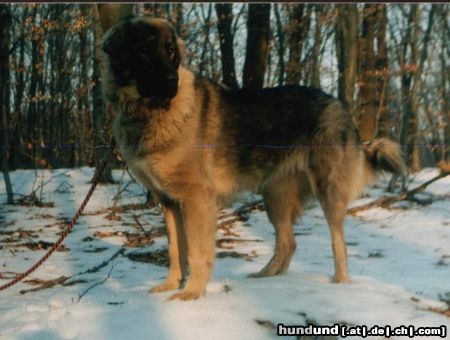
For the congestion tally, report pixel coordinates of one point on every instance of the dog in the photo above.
(195, 144)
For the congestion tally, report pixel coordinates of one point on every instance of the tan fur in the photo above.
(182, 154)
(168, 161)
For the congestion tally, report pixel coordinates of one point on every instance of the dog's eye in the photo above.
(170, 51)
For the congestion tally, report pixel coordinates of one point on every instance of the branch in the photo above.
(98, 283)
(68, 281)
(406, 196)
(240, 214)
(97, 268)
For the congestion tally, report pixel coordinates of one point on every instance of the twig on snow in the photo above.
(80, 296)
(97, 268)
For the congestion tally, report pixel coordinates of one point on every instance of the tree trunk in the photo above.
(411, 84)
(410, 77)
(281, 44)
(109, 14)
(374, 74)
(32, 133)
(297, 29)
(83, 102)
(407, 84)
(347, 53)
(315, 74)
(445, 84)
(368, 94)
(5, 21)
(258, 26)
(225, 20)
(16, 156)
(178, 18)
(384, 74)
(206, 18)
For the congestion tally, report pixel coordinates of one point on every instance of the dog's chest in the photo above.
(132, 138)
(147, 174)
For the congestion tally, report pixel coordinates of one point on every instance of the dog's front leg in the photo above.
(177, 248)
(199, 220)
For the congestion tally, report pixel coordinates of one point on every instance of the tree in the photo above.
(258, 29)
(384, 74)
(206, 18)
(83, 87)
(372, 71)
(347, 53)
(5, 21)
(315, 65)
(56, 116)
(16, 126)
(444, 56)
(281, 37)
(297, 29)
(411, 82)
(224, 23)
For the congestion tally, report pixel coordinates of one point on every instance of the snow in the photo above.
(399, 262)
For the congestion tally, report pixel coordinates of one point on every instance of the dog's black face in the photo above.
(144, 51)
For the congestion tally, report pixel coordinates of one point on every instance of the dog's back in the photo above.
(292, 143)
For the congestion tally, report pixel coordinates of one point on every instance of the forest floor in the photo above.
(95, 286)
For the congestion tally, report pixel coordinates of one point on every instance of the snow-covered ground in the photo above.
(399, 264)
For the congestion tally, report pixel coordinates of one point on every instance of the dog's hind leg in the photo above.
(177, 249)
(283, 205)
(334, 197)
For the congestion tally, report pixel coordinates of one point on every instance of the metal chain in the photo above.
(69, 227)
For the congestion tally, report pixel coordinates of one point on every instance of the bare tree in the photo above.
(206, 18)
(372, 70)
(315, 64)
(384, 74)
(281, 38)
(347, 53)
(411, 82)
(16, 126)
(299, 20)
(258, 26)
(56, 115)
(5, 21)
(224, 23)
(81, 153)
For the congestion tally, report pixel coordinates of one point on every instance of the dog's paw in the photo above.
(164, 287)
(269, 270)
(340, 279)
(184, 296)
(257, 275)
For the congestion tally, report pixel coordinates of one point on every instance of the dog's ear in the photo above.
(115, 39)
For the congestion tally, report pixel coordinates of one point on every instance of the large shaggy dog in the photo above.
(195, 144)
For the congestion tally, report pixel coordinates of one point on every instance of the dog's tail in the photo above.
(384, 155)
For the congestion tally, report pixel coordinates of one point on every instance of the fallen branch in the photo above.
(97, 268)
(239, 215)
(80, 296)
(385, 202)
(69, 280)
(44, 284)
(124, 208)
